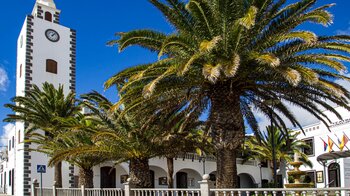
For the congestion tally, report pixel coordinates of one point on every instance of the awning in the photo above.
(333, 156)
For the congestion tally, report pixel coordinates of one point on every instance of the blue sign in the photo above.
(41, 168)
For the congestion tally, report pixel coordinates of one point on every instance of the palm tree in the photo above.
(72, 147)
(180, 136)
(226, 58)
(285, 148)
(42, 108)
(123, 138)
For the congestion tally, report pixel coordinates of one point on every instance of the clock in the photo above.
(52, 35)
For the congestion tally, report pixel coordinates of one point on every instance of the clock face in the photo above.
(52, 35)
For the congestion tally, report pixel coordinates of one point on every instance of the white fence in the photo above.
(76, 192)
(204, 190)
(166, 192)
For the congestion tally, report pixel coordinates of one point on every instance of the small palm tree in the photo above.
(77, 147)
(122, 138)
(41, 109)
(285, 148)
(180, 136)
(226, 58)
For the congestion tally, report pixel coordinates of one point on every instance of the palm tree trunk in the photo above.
(58, 174)
(86, 177)
(139, 173)
(226, 173)
(227, 127)
(170, 164)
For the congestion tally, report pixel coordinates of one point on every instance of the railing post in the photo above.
(127, 188)
(54, 191)
(82, 190)
(35, 184)
(204, 185)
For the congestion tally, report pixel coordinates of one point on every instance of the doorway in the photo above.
(334, 175)
(181, 180)
(108, 177)
(151, 172)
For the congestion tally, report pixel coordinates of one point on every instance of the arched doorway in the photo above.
(245, 181)
(181, 180)
(108, 177)
(334, 175)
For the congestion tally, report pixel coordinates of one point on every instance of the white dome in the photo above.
(48, 3)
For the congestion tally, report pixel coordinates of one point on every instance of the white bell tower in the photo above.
(46, 53)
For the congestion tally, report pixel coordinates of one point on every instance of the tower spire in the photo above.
(49, 3)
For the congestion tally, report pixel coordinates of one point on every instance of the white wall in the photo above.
(318, 132)
(44, 49)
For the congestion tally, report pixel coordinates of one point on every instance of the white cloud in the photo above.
(343, 31)
(303, 116)
(4, 80)
(6, 131)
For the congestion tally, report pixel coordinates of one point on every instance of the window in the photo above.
(21, 41)
(48, 16)
(51, 66)
(310, 177)
(9, 145)
(13, 141)
(309, 150)
(10, 177)
(264, 163)
(20, 71)
(19, 137)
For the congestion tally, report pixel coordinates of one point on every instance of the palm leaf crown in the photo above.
(251, 48)
(42, 107)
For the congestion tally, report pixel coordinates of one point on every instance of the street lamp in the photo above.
(272, 103)
(203, 160)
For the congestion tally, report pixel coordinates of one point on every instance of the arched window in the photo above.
(51, 66)
(48, 16)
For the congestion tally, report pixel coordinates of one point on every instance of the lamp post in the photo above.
(272, 103)
(203, 160)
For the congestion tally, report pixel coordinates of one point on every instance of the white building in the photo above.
(336, 172)
(47, 53)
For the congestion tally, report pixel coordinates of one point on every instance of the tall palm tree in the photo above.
(41, 108)
(285, 148)
(226, 58)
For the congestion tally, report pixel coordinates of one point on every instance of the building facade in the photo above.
(328, 143)
(47, 53)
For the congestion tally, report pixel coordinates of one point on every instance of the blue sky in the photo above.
(96, 22)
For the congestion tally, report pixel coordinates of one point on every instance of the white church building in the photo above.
(47, 53)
